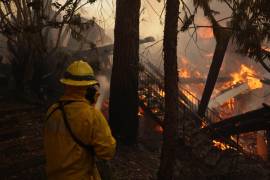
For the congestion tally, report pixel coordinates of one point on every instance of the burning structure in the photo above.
(211, 150)
(241, 87)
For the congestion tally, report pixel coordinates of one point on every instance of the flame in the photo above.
(228, 108)
(155, 110)
(191, 91)
(184, 73)
(231, 104)
(247, 75)
(204, 124)
(220, 145)
(190, 95)
(161, 93)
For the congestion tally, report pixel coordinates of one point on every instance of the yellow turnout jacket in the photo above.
(66, 160)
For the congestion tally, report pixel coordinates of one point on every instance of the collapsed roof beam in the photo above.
(248, 122)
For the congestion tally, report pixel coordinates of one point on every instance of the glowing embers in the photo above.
(140, 112)
(158, 129)
(184, 73)
(203, 124)
(220, 145)
(227, 109)
(152, 98)
(161, 92)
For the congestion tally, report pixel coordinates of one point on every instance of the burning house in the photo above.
(240, 88)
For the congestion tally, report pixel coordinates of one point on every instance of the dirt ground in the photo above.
(22, 155)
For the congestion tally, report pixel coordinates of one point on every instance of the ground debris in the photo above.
(135, 163)
(22, 154)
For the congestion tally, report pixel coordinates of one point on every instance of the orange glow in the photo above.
(158, 129)
(197, 74)
(231, 104)
(184, 73)
(140, 112)
(205, 33)
(266, 48)
(209, 55)
(190, 95)
(161, 93)
(247, 75)
(220, 145)
(184, 61)
(227, 109)
(203, 125)
(187, 71)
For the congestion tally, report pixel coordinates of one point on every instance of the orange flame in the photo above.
(220, 145)
(247, 75)
(184, 73)
(161, 93)
(228, 108)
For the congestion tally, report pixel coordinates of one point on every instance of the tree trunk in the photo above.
(268, 144)
(171, 91)
(222, 38)
(124, 80)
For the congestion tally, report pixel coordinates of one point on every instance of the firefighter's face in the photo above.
(97, 92)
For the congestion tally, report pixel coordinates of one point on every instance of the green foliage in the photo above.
(251, 27)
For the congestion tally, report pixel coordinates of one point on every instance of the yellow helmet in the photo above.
(79, 73)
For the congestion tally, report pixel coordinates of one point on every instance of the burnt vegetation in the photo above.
(27, 27)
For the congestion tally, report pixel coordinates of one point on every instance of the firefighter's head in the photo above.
(79, 73)
(80, 77)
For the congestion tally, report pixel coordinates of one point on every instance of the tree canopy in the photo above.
(248, 23)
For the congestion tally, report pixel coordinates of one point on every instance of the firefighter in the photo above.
(75, 132)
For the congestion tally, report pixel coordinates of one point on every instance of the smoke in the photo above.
(104, 90)
(197, 47)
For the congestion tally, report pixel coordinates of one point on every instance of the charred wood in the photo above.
(251, 121)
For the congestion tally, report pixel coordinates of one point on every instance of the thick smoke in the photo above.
(197, 48)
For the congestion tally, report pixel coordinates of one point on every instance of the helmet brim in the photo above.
(78, 83)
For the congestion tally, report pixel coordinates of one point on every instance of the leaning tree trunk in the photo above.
(124, 80)
(222, 38)
(171, 91)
